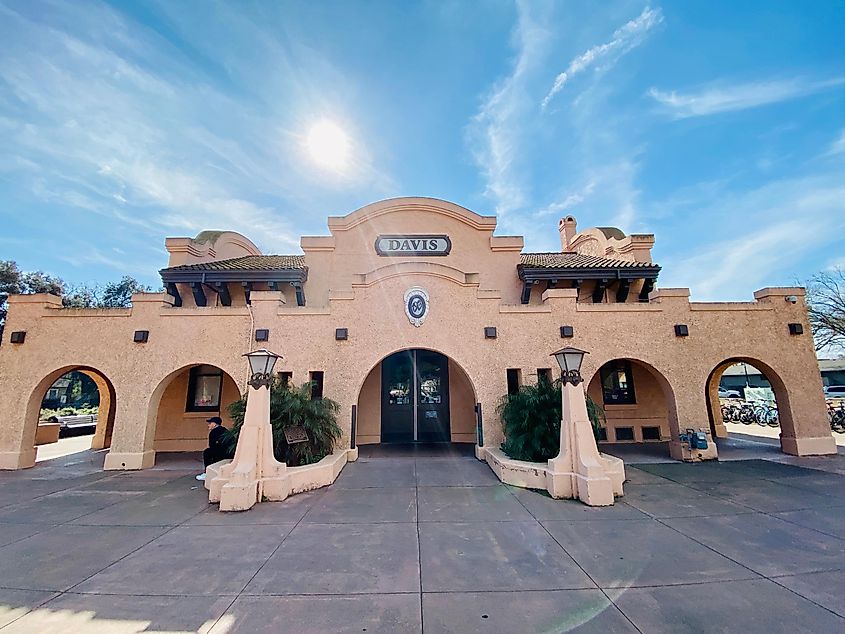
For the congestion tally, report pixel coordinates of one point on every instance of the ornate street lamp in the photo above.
(579, 470)
(569, 359)
(261, 363)
(254, 474)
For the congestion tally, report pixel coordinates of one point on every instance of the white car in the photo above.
(834, 391)
(725, 393)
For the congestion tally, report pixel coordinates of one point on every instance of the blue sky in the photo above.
(718, 126)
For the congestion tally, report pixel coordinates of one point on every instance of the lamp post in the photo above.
(578, 471)
(254, 474)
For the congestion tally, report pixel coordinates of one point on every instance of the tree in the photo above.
(112, 295)
(294, 407)
(531, 421)
(13, 280)
(119, 294)
(826, 308)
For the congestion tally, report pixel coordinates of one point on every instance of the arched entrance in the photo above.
(753, 402)
(100, 405)
(638, 402)
(416, 396)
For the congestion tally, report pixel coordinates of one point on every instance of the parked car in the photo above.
(726, 393)
(834, 391)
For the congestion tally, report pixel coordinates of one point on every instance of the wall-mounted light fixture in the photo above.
(490, 332)
(341, 334)
(18, 336)
(262, 334)
(796, 329)
(681, 330)
(141, 336)
(567, 332)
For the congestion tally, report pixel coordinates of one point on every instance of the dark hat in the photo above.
(214, 419)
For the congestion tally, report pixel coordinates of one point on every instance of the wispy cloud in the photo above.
(496, 131)
(716, 99)
(100, 115)
(765, 234)
(624, 39)
(838, 146)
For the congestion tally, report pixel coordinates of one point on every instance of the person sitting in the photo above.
(218, 447)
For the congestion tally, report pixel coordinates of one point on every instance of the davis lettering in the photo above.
(403, 245)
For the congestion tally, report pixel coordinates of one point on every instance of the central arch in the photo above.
(416, 395)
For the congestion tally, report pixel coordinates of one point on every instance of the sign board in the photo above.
(294, 435)
(395, 245)
(416, 305)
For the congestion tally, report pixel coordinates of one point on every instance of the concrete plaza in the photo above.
(411, 541)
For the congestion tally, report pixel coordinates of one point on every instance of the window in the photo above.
(651, 433)
(617, 383)
(316, 384)
(544, 374)
(286, 378)
(204, 387)
(624, 433)
(514, 380)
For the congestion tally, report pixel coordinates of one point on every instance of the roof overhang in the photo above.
(253, 275)
(537, 273)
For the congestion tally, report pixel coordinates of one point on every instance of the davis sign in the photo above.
(400, 245)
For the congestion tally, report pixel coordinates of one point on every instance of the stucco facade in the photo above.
(221, 290)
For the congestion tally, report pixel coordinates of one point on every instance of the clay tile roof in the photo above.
(248, 263)
(576, 261)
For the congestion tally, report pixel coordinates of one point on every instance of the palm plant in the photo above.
(531, 421)
(292, 406)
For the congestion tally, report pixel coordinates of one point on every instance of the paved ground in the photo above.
(412, 541)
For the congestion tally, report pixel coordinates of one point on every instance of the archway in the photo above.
(638, 402)
(416, 395)
(183, 401)
(89, 401)
(754, 402)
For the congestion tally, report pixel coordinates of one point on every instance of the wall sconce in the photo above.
(141, 336)
(796, 329)
(18, 336)
(490, 332)
(341, 334)
(681, 330)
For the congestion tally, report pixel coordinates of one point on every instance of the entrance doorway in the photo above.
(415, 397)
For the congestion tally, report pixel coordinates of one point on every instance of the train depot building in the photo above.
(416, 318)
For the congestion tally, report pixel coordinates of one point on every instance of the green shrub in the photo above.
(531, 421)
(294, 407)
(85, 410)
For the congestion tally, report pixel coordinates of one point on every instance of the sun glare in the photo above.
(328, 145)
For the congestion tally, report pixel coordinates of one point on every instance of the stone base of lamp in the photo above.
(579, 470)
(254, 475)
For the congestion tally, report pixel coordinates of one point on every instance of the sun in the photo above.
(328, 145)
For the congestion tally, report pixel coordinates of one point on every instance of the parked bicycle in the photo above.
(749, 413)
(836, 416)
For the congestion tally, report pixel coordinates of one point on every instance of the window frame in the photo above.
(195, 373)
(609, 371)
(514, 380)
(317, 379)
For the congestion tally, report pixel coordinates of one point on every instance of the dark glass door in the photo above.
(415, 397)
(432, 397)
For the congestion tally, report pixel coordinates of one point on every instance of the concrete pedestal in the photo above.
(254, 475)
(579, 471)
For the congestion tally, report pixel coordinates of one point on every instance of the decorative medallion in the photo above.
(416, 305)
